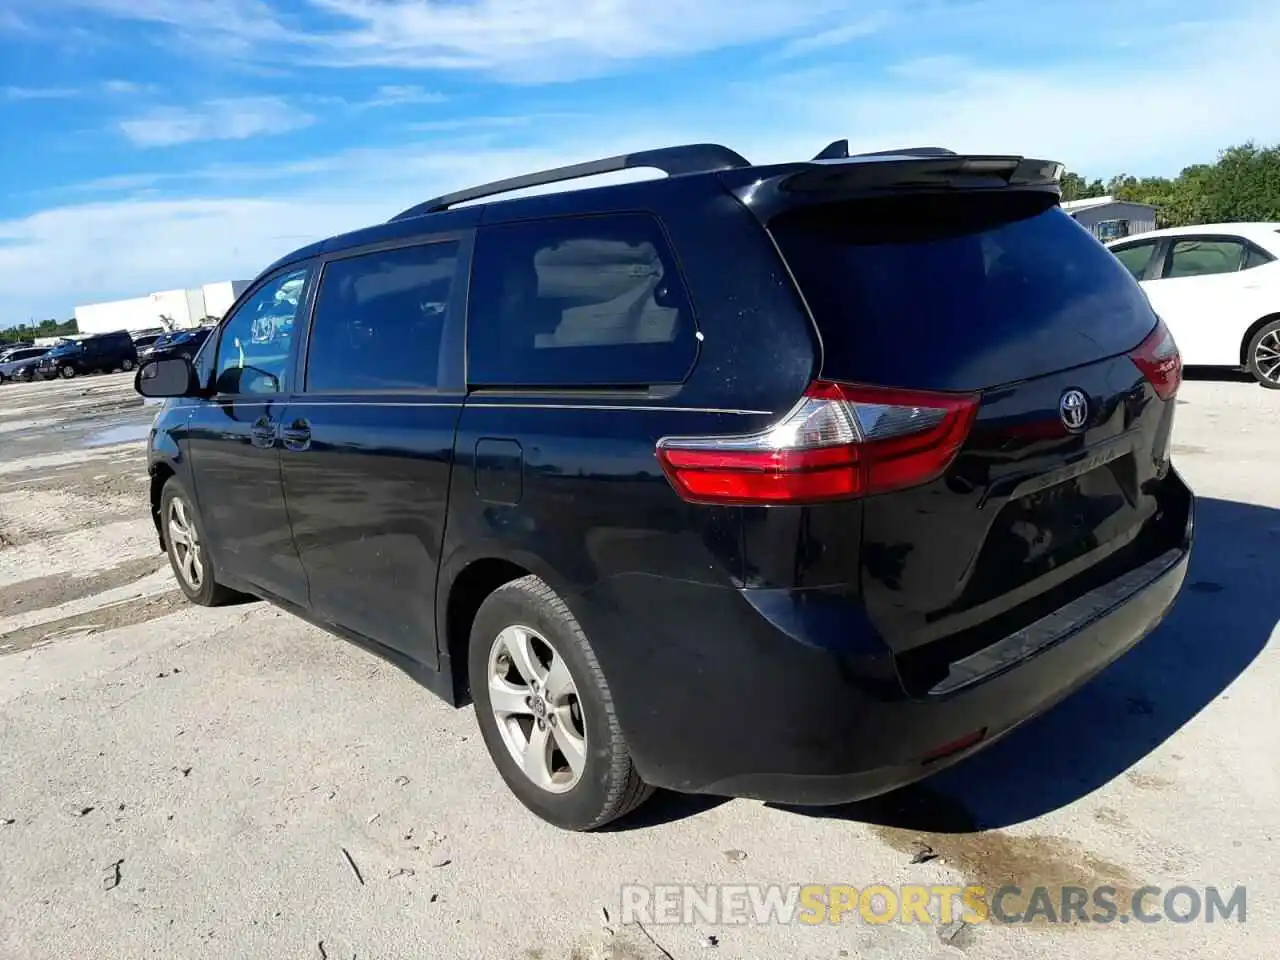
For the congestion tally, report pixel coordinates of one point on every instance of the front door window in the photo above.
(253, 348)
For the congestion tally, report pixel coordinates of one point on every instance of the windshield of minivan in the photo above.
(66, 346)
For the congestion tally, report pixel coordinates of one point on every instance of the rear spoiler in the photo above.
(768, 191)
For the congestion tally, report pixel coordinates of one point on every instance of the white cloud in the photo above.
(15, 94)
(397, 96)
(479, 123)
(122, 183)
(539, 40)
(836, 36)
(237, 118)
(126, 87)
(248, 20)
(523, 40)
(10, 22)
(86, 252)
(935, 69)
(1139, 114)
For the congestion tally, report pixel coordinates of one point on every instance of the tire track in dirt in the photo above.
(39, 593)
(123, 613)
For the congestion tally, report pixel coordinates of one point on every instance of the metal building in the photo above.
(1110, 219)
(167, 309)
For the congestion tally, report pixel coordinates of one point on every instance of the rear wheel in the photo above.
(545, 710)
(1264, 355)
(184, 541)
(126, 365)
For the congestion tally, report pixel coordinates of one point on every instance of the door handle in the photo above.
(297, 436)
(263, 433)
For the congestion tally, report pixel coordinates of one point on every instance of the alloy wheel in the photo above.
(1266, 357)
(186, 544)
(537, 708)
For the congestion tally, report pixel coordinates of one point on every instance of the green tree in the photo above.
(1243, 184)
(1076, 187)
(45, 328)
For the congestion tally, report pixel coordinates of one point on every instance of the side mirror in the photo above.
(171, 377)
(236, 381)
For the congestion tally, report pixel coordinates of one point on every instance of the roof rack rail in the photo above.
(839, 150)
(690, 158)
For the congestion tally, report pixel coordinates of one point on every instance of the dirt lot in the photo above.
(178, 782)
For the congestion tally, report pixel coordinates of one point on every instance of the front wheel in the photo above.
(1264, 355)
(545, 710)
(67, 372)
(188, 551)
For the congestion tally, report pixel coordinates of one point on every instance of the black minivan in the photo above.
(795, 482)
(96, 353)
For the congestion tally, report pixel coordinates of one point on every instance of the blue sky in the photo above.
(154, 144)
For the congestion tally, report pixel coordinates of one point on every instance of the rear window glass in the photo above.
(578, 302)
(1256, 257)
(958, 292)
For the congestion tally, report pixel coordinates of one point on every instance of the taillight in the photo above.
(839, 442)
(1158, 359)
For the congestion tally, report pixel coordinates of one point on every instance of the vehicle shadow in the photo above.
(1223, 374)
(1225, 616)
(665, 806)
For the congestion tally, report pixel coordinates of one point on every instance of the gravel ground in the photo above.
(178, 782)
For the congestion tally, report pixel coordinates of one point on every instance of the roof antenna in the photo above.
(836, 150)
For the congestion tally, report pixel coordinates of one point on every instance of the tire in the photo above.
(204, 589)
(1264, 355)
(67, 372)
(526, 614)
(126, 364)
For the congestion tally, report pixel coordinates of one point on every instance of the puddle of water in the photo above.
(124, 433)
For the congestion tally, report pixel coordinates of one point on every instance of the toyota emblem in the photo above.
(1074, 409)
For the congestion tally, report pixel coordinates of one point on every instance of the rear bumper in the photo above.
(718, 695)
(988, 707)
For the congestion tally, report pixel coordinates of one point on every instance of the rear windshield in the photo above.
(958, 292)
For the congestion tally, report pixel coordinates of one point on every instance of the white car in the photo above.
(1217, 287)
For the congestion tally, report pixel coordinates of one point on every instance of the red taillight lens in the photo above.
(1158, 359)
(840, 441)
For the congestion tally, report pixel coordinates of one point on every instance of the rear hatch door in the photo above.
(1063, 481)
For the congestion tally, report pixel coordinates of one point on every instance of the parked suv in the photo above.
(177, 343)
(795, 482)
(100, 353)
